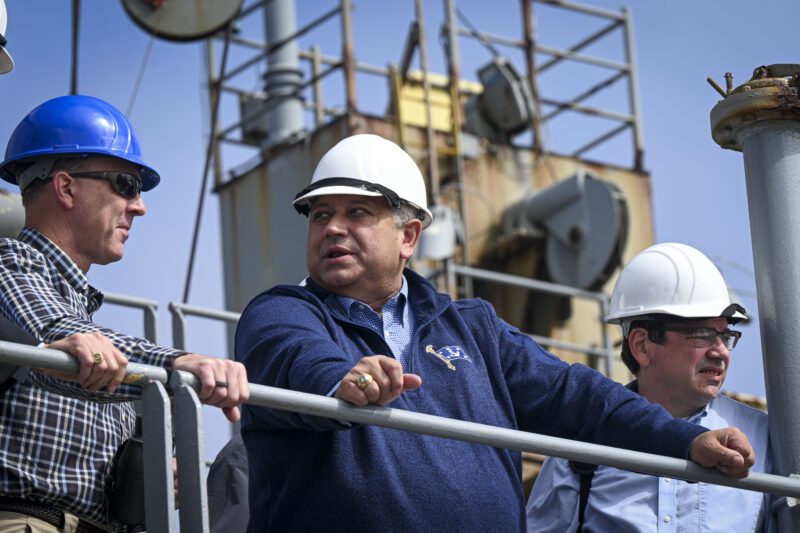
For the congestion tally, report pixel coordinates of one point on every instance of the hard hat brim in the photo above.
(150, 178)
(6, 62)
(344, 189)
(334, 189)
(684, 311)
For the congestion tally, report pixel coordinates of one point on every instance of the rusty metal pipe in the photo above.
(762, 119)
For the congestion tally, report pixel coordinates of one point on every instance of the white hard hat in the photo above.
(368, 165)
(672, 279)
(6, 63)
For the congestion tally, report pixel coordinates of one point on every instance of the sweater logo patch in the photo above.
(448, 354)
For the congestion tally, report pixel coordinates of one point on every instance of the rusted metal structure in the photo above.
(477, 177)
(761, 118)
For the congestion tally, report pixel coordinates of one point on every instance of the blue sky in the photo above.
(698, 189)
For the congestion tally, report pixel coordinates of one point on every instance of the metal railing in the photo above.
(179, 313)
(187, 416)
(148, 307)
(552, 288)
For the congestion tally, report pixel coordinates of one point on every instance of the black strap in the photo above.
(7, 384)
(586, 473)
(391, 196)
(11, 332)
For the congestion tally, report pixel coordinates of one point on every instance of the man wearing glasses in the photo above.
(77, 162)
(675, 311)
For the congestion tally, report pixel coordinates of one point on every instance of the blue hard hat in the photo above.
(74, 126)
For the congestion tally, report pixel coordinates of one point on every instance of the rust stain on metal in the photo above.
(771, 94)
(133, 379)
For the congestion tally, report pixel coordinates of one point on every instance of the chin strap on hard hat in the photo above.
(390, 195)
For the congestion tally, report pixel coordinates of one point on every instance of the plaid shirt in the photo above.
(57, 439)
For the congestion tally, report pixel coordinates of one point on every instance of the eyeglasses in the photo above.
(707, 337)
(127, 184)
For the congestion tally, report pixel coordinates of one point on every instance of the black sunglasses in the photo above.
(127, 184)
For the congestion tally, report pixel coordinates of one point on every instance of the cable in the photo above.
(76, 28)
(478, 35)
(140, 76)
(209, 151)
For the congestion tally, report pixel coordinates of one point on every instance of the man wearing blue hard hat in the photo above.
(78, 164)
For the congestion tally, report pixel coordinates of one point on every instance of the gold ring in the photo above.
(363, 380)
(98, 357)
(220, 384)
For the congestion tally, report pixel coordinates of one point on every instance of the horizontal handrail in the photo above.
(313, 404)
(147, 306)
(528, 283)
(205, 312)
(34, 357)
(129, 301)
(551, 288)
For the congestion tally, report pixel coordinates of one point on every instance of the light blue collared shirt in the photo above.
(622, 501)
(396, 326)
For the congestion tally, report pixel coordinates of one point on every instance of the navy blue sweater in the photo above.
(310, 474)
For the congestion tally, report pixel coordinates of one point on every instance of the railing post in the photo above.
(178, 327)
(151, 324)
(148, 307)
(188, 415)
(607, 347)
(159, 500)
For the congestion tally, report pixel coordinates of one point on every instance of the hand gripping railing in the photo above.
(189, 452)
(157, 432)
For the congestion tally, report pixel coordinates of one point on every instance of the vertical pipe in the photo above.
(213, 94)
(348, 59)
(283, 77)
(633, 92)
(529, 38)
(433, 160)
(455, 102)
(316, 69)
(772, 168)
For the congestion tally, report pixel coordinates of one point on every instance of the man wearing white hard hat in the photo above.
(6, 63)
(675, 311)
(367, 330)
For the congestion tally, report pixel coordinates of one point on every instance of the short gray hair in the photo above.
(405, 214)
